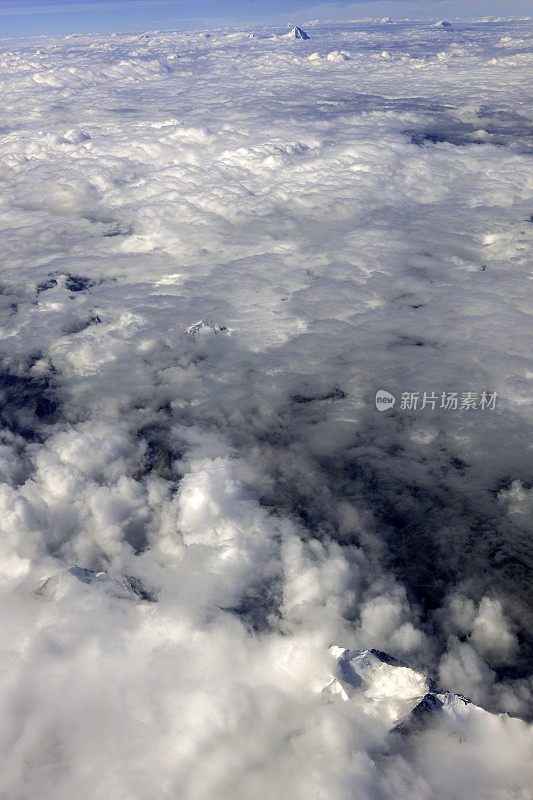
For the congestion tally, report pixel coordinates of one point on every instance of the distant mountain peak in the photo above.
(205, 326)
(297, 33)
(120, 586)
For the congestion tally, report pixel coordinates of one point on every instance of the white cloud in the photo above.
(333, 220)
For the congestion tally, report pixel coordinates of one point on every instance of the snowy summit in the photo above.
(386, 689)
(297, 33)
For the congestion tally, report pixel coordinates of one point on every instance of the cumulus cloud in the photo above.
(217, 250)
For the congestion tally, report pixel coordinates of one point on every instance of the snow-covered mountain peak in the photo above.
(119, 586)
(378, 683)
(204, 326)
(297, 33)
(402, 698)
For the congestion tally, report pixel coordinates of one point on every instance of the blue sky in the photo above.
(34, 17)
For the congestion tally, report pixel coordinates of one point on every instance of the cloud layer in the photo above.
(216, 251)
